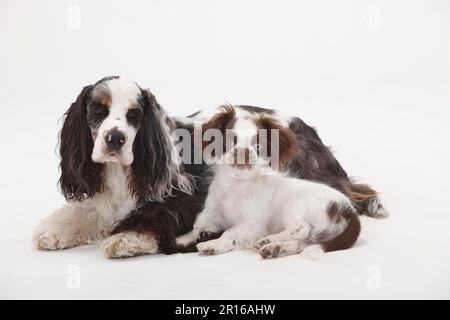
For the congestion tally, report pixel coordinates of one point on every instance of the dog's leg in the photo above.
(240, 236)
(129, 244)
(207, 222)
(298, 231)
(236, 238)
(72, 225)
(282, 248)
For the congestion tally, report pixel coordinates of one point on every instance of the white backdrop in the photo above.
(372, 76)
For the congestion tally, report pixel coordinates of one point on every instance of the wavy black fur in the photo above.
(80, 177)
(150, 178)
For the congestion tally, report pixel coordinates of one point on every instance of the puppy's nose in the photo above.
(115, 139)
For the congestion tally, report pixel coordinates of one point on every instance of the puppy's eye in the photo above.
(257, 146)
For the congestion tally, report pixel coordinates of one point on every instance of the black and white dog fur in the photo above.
(116, 150)
(259, 207)
(124, 181)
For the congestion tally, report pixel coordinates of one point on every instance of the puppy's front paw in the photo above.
(57, 241)
(129, 244)
(213, 247)
(186, 240)
(207, 248)
(261, 243)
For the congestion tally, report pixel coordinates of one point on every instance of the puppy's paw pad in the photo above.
(261, 243)
(206, 249)
(209, 248)
(269, 251)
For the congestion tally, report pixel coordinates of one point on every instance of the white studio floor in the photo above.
(382, 265)
(404, 256)
(374, 79)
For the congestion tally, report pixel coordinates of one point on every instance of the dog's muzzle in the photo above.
(115, 140)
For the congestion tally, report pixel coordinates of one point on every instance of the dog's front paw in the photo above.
(213, 247)
(57, 241)
(186, 240)
(129, 244)
(261, 243)
(270, 250)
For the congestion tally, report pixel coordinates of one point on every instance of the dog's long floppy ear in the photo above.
(80, 177)
(287, 144)
(156, 170)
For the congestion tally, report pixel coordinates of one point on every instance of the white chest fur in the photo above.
(116, 201)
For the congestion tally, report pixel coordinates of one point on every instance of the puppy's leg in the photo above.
(298, 231)
(71, 226)
(236, 238)
(281, 249)
(129, 244)
(208, 221)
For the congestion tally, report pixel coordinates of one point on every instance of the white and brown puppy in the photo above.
(257, 206)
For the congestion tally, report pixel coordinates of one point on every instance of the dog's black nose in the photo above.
(115, 139)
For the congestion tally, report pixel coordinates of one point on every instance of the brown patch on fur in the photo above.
(105, 101)
(334, 213)
(133, 105)
(148, 234)
(288, 143)
(222, 121)
(348, 237)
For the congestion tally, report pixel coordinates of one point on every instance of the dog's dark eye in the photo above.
(96, 114)
(257, 146)
(134, 116)
(100, 110)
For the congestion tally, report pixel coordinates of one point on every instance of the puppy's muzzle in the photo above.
(242, 158)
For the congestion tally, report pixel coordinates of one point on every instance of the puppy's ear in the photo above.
(221, 121)
(287, 144)
(155, 171)
(80, 177)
